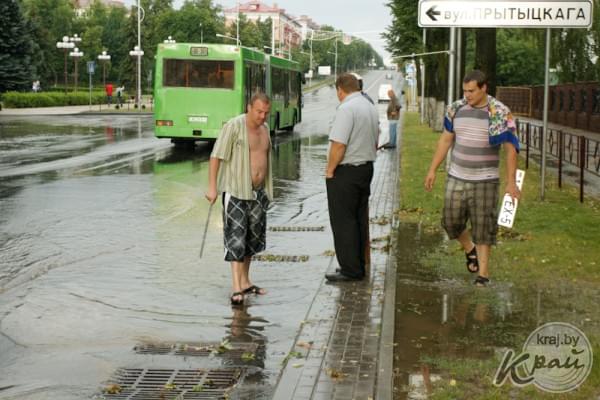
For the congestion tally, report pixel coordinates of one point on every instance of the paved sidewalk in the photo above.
(344, 346)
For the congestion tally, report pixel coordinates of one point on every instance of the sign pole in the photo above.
(451, 66)
(423, 78)
(545, 117)
(91, 66)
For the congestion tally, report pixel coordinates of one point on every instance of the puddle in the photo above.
(438, 318)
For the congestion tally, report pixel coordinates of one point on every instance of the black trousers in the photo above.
(348, 199)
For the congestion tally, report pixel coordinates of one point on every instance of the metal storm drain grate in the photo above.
(224, 349)
(297, 228)
(157, 384)
(279, 258)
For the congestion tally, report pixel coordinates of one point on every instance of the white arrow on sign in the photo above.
(493, 13)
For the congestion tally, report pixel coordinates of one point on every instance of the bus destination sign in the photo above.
(199, 51)
(493, 13)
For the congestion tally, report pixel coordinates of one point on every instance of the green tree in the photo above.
(513, 46)
(16, 48)
(114, 39)
(50, 20)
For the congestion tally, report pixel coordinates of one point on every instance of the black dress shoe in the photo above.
(339, 277)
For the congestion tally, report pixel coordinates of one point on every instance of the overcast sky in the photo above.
(369, 16)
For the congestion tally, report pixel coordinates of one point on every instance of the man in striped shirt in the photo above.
(473, 179)
(240, 168)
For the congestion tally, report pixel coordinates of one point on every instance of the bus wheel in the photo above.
(184, 144)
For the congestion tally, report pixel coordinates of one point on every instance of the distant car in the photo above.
(389, 76)
(382, 96)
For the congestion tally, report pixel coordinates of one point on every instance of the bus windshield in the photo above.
(198, 73)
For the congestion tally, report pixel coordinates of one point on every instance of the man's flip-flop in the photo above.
(236, 302)
(472, 261)
(254, 290)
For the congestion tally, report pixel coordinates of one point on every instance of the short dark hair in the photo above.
(477, 76)
(348, 83)
(259, 96)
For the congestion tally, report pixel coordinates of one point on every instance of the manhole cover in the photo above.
(151, 384)
(229, 350)
(297, 228)
(279, 258)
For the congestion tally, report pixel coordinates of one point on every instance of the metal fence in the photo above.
(565, 148)
(574, 105)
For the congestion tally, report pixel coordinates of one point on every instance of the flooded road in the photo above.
(100, 230)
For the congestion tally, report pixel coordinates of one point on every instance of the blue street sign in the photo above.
(91, 67)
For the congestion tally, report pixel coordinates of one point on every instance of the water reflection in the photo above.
(444, 318)
(246, 329)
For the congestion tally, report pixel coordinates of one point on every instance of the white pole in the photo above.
(311, 57)
(335, 66)
(458, 86)
(451, 65)
(451, 76)
(90, 75)
(237, 33)
(139, 59)
(273, 36)
(545, 122)
(423, 78)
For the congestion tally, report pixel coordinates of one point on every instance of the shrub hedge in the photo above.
(51, 99)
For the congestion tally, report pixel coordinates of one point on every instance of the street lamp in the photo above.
(137, 52)
(65, 45)
(103, 59)
(76, 54)
(201, 33)
(336, 57)
(169, 40)
(75, 39)
(238, 41)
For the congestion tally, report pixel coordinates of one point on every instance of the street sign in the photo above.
(493, 13)
(91, 67)
(325, 70)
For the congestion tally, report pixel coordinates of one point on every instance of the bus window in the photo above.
(198, 74)
(254, 80)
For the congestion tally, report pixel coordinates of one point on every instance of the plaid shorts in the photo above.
(476, 202)
(244, 225)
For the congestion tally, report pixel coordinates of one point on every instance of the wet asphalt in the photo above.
(100, 230)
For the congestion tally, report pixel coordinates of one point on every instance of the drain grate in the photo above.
(228, 350)
(279, 258)
(151, 384)
(297, 228)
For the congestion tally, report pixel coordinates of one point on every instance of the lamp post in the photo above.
(104, 57)
(169, 40)
(237, 40)
(66, 44)
(137, 52)
(201, 33)
(76, 54)
(335, 63)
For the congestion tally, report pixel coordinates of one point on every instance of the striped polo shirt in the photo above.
(233, 150)
(473, 158)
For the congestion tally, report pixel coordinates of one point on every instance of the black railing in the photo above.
(575, 105)
(577, 150)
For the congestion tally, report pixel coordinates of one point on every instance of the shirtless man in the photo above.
(240, 168)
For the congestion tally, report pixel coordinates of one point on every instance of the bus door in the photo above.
(254, 81)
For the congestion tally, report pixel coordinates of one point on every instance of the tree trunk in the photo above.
(485, 55)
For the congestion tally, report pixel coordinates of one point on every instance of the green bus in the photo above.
(199, 87)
